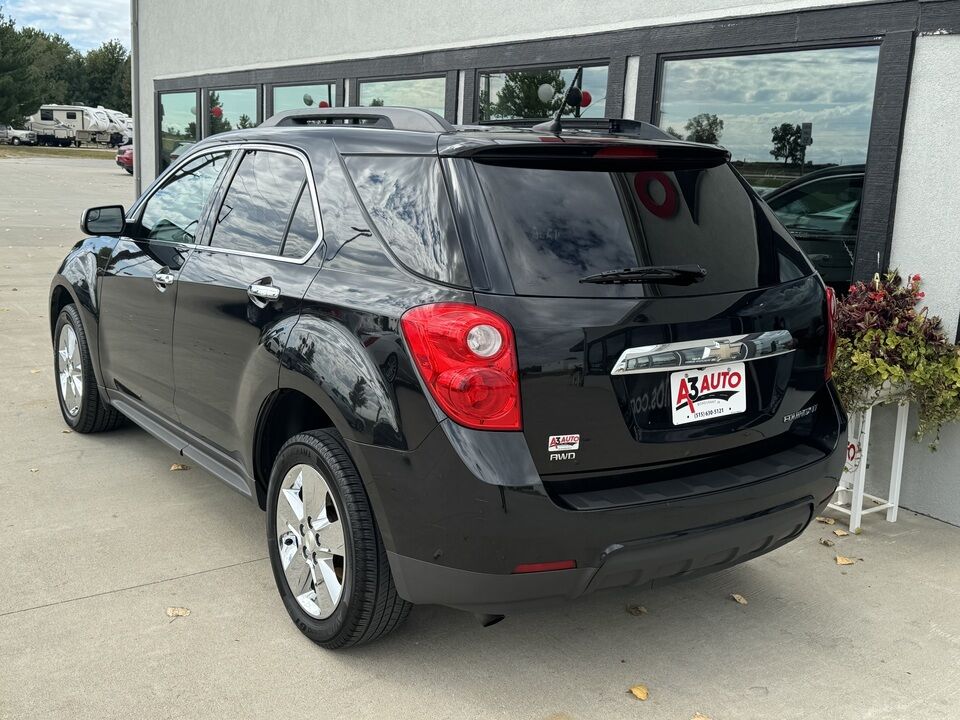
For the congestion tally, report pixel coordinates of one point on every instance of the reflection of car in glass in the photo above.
(822, 211)
(470, 367)
(179, 149)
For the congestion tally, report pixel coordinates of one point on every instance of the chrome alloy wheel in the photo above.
(311, 541)
(70, 370)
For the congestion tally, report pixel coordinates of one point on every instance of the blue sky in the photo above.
(85, 23)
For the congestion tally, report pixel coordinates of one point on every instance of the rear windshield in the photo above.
(559, 225)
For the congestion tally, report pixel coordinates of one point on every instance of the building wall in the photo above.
(207, 39)
(926, 240)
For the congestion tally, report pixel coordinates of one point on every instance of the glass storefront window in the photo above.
(178, 123)
(426, 93)
(797, 125)
(297, 97)
(232, 109)
(536, 94)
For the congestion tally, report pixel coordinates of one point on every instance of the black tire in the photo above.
(129, 171)
(94, 414)
(369, 606)
(15, 141)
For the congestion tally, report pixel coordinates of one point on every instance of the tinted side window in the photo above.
(408, 202)
(302, 234)
(826, 207)
(71, 115)
(173, 212)
(258, 204)
(46, 114)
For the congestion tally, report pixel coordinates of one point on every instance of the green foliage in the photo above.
(787, 143)
(38, 67)
(704, 128)
(18, 97)
(887, 351)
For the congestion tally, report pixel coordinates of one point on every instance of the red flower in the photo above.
(916, 278)
(921, 295)
(852, 288)
(876, 296)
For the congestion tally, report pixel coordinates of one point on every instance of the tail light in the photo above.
(467, 357)
(831, 333)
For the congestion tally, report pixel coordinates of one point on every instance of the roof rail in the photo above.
(610, 126)
(393, 118)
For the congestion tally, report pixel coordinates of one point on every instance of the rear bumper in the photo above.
(454, 540)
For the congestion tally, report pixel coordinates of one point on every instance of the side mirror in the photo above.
(106, 220)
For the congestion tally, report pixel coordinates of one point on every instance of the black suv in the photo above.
(481, 367)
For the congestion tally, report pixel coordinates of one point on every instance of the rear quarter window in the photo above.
(406, 198)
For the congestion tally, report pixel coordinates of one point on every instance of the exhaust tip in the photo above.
(487, 620)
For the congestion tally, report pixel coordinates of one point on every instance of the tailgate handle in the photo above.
(702, 353)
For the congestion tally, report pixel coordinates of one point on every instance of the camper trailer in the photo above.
(89, 125)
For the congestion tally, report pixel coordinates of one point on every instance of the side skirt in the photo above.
(186, 443)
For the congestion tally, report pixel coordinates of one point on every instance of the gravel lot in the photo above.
(98, 538)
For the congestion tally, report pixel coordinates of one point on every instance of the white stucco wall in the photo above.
(926, 240)
(185, 37)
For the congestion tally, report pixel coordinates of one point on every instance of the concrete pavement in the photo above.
(98, 538)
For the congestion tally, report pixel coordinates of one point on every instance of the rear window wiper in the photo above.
(671, 274)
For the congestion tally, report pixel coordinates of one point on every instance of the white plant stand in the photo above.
(850, 491)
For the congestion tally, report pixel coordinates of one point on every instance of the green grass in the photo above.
(21, 151)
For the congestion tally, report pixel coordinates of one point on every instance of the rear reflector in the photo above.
(625, 151)
(545, 566)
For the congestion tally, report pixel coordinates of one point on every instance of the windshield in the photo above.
(558, 226)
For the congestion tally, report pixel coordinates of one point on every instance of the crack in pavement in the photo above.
(131, 587)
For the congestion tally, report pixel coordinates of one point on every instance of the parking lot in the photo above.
(99, 538)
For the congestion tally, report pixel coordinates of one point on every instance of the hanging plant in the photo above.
(888, 350)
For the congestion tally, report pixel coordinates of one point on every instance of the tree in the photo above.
(787, 142)
(107, 71)
(520, 96)
(376, 102)
(56, 67)
(218, 123)
(244, 121)
(704, 128)
(671, 131)
(18, 97)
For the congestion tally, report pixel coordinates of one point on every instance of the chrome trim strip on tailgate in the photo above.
(701, 353)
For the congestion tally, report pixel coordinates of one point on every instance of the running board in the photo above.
(210, 459)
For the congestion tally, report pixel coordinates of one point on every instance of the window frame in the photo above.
(158, 125)
(203, 127)
(227, 180)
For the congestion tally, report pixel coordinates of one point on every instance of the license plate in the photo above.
(707, 393)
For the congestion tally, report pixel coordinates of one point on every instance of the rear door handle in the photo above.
(262, 294)
(162, 278)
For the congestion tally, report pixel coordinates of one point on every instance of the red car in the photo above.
(125, 158)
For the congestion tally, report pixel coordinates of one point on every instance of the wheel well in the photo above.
(286, 413)
(60, 299)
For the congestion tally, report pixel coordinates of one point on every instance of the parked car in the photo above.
(822, 211)
(12, 136)
(125, 157)
(471, 367)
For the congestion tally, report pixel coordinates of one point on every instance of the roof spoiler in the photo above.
(608, 126)
(390, 118)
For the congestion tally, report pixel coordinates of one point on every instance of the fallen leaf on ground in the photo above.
(179, 466)
(640, 692)
(840, 533)
(175, 612)
(699, 716)
(827, 542)
(34, 469)
(841, 560)
(66, 432)
(741, 600)
(636, 609)
(34, 371)
(825, 520)
(857, 531)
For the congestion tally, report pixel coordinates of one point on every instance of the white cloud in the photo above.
(85, 24)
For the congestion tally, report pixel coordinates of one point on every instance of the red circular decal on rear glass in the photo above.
(664, 208)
